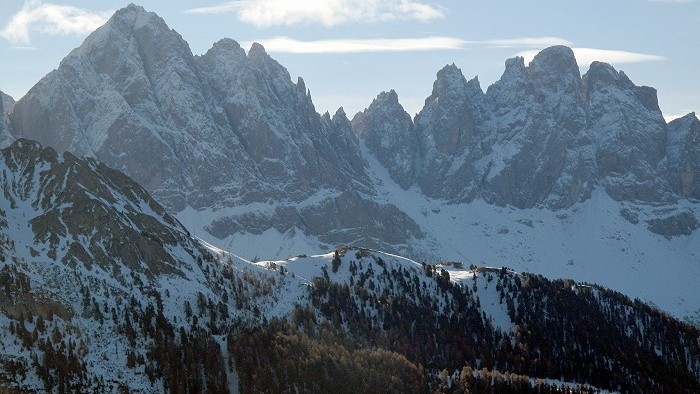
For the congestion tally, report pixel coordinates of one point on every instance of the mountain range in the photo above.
(155, 168)
(235, 149)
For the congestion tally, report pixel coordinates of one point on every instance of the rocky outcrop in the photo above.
(682, 223)
(6, 104)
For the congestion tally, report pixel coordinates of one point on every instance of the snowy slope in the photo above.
(85, 251)
(595, 241)
(591, 242)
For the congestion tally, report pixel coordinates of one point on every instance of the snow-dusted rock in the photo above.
(536, 116)
(628, 133)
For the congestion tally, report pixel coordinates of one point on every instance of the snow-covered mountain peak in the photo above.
(474, 87)
(555, 68)
(450, 83)
(131, 28)
(558, 58)
(387, 103)
(257, 52)
(227, 46)
(513, 67)
(261, 59)
(339, 114)
(605, 74)
(689, 119)
(138, 15)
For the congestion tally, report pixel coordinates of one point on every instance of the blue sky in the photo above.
(348, 51)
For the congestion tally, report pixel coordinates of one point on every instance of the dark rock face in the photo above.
(683, 223)
(536, 116)
(683, 160)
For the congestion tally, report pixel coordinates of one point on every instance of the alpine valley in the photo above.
(135, 174)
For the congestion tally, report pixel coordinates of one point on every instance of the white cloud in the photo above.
(24, 48)
(534, 42)
(586, 56)
(222, 8)
(50, 19)
(265, 13)
(290, 45)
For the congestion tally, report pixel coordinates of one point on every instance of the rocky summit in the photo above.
(516, 175)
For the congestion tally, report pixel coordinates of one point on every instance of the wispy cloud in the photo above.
(51, 19)
(266, 13)
(533, 42)
(290, 45)
(24, 48)
(586, 56)
(347, 45)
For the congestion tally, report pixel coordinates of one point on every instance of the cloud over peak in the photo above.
(290, 45)
(51, 19)
(266, 13)
(586, 56)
